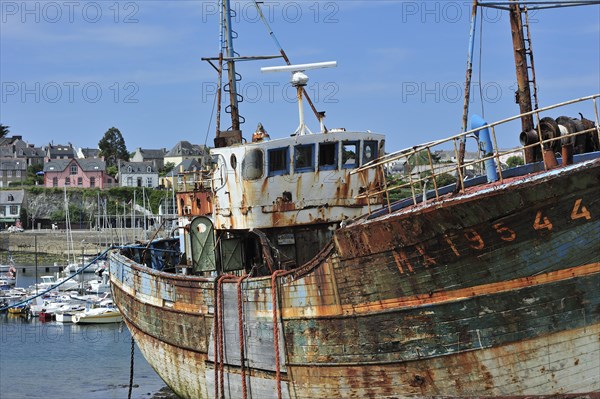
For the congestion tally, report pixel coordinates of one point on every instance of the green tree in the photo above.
(513, 161)
(112, 170)
(444, 179)
(422, 158)
(166, 169)
(112, 147)
(32, 175)
(4, 130)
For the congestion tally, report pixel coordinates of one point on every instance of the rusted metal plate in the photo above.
(252, 196)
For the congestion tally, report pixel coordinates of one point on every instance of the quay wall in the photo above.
(51, 246)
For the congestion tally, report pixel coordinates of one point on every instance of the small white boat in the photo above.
(99, 286)
(48, 305)
(106, 312)
(66, 317)
(8, 268)
(67, 314)
(12, 296)
(7, 283)
(8, 278)
(49, 282)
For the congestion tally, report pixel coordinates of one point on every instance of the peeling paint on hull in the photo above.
(494, 294)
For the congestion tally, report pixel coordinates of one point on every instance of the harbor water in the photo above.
(54, 360)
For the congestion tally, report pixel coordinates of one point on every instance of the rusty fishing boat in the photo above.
(300, 269)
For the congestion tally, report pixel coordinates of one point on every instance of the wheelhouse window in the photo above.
(369, 151)
(252, 165)
(350, 154)
(328, 156)
(304, 158)
(279, 161)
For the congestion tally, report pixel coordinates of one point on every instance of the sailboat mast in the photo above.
(523, 94)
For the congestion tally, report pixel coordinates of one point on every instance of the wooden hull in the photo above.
(492, 293)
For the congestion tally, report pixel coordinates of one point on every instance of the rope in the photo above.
(59, 284)
(241, 334)
(131, 368)
(219, 364)
(216, 336)
(276, 330)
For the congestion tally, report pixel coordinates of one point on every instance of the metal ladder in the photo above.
(529, 54)
(237, 76)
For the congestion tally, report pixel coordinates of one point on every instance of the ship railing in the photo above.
(193, 180)
(423, 178)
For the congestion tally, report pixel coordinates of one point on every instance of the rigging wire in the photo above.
(318, 115)
(212, 112)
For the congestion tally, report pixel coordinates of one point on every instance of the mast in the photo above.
(234, 135)
(465, 117)
(233, 99)
(523, 93)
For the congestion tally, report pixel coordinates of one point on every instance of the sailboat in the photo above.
(302, 271)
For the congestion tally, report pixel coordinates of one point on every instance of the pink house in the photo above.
(82, 173)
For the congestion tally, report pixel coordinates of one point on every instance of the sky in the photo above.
(70, 70)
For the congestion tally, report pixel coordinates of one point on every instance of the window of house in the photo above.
(9, 173)
(2, 210)
(67, 181)
(328, 156)
(148, 169)
(11, 197)
(73, 169)
(14, 210)
(17, 173)
(350, 154)
(279, 161)
(252, 165)
(92, 182)
(130, 181)
(80, 181)
(55, 182)
(1, 173)
(139, 182)
(149, 182)
(129, 169)
(369, 151)
(304, 158)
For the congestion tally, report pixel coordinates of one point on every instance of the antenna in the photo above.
(299, 80)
